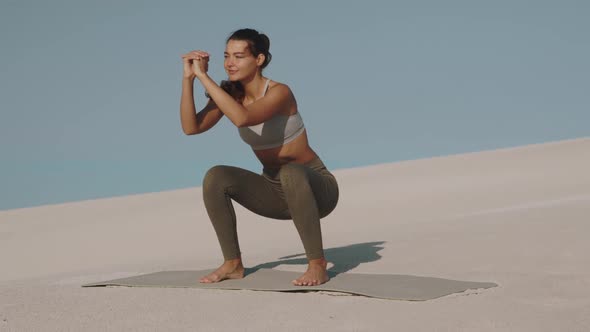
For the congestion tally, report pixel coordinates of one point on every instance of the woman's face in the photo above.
(239, 62)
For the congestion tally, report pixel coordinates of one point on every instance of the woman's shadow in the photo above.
(344, 258)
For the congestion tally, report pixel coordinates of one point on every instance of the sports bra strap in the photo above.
(266, 87)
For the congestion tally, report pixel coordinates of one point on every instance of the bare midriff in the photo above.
(297, 151)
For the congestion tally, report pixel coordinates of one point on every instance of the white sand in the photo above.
(519, 217)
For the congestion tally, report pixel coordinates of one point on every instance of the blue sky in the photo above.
(89, 91)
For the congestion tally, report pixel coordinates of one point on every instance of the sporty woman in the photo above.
(294, 183)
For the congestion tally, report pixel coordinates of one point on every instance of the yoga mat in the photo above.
(383, 286)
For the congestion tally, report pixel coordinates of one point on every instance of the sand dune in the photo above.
(519, 217)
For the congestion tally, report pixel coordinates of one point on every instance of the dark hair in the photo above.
(258, 43)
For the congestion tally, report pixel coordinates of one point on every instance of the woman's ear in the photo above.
(260, 59)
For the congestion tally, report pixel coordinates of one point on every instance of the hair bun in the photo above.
(265, 40)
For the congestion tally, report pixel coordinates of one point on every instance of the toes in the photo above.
(299, 282)
(208, 279)
(306, 282)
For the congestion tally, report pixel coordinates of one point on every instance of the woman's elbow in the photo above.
(243, 122)
(190, 131)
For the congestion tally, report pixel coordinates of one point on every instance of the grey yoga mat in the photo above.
(384, 286)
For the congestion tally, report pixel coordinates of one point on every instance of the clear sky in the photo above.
(90, 90)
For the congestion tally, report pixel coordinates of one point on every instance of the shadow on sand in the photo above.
(344, 258)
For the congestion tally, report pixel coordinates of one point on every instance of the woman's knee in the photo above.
(216, 176)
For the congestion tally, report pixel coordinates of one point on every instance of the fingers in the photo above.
(196, 55)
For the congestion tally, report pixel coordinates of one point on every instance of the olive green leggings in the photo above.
(301, 192)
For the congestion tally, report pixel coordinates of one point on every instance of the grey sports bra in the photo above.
(278, 130)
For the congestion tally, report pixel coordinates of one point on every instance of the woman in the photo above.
(294, 183)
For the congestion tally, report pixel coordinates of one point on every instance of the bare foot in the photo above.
(230, 269)
(316, 274)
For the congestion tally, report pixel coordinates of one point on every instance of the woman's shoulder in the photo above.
(283, 91)
(279, 87)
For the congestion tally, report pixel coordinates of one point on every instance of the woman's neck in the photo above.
(253, 87)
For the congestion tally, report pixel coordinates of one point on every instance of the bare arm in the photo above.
(195, 66)
(276, 99)
(193, 123)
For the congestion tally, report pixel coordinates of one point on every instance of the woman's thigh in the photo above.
(249, 189)
(325, 189)
(322, 183)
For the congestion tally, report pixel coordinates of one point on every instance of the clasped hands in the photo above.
(195, 63)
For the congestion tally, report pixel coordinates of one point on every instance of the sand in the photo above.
(519, 217)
